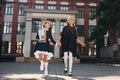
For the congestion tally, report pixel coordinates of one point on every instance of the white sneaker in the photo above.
(70, 73)
(42, 66)
(65, 70)
(46, 72)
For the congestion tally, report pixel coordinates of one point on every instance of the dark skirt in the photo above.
(43, 47)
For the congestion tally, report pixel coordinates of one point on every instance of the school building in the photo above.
(20, 20)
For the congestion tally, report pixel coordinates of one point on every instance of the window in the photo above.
(62, 24)
(9, 8)
(80, 12)
(91, 30)
(19, 47)
(92, 12)
(39, 6)
(36, 24)
(7, 27)
(21, 9)
(80, 30)
(21, 28)
(53, 25)
(64, 8)
(52, 7)
(6, 47)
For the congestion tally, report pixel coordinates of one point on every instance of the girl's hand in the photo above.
(83, 44)
(59, 44)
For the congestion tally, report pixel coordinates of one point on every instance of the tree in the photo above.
(108, 19)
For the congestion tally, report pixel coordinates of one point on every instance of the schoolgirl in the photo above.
(68, 39)
(42, 49)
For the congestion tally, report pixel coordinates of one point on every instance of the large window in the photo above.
(6, 47)
(64, 8)
(53, 25)
(36, 24)
(80, 13)
(19, 47)
(21, 28)
(80, 30)
(9, 8)
(51, 7)
(7, 27)
(62, 24)
(21, 9)
(91, 29)
(92, 12)
(39, 6)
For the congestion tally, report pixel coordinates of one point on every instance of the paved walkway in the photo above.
(30, 71)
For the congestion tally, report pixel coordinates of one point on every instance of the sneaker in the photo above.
(65, 70)
(70, 74)
(41, 66)
(46, 72)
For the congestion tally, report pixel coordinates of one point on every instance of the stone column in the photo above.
(57, 32)
(27, 41)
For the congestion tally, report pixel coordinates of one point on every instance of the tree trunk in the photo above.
(113, 40)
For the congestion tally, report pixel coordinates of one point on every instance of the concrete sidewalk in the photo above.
(30, 71)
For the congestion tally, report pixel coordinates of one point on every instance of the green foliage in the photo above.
(110, 10)
(108, 17)
(108, 14)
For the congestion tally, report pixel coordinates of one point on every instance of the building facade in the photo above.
(21, 19)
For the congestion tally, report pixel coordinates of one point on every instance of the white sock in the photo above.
(70, 61)
(41, 61)
(41, 65)
(66, 59)
(46, 69)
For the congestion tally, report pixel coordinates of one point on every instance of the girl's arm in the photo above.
(51, 38)
(59, 41)
(81, 43)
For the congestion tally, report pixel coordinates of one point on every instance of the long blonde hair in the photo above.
(74, 27)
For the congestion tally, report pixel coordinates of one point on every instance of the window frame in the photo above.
(9, 8)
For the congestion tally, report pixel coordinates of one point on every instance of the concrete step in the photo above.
(33, 59)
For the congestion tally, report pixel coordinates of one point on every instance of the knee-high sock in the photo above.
(41, 62)
(46, 68)
(41, 65)
(66, 59)
(70, 61)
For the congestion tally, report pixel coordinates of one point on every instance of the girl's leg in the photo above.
(70, 63)
(41, 61)
(40, 57)
(46, 65)
(65, 61)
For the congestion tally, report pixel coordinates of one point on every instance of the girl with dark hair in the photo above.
(42, 49)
